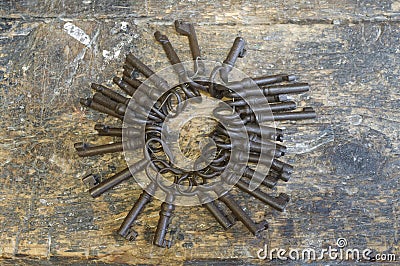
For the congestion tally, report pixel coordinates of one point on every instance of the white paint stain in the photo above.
(43, 201)
(116, 51)
(124, 26)
(120, 28)
(77, 33)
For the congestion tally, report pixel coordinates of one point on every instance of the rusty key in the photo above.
(104, 130)
(178, 67)
(268, 180)
(115, 96)
(187, 29)
(100, 98)
(125, 229)
(85, 149)
(302, 114)
(166, 212)
(125, 86)
(279, 203)
(117, 178)
(218, 214)
(258, 82)
(236, 51)
(147, 72)
(254, 228)
(88, 102)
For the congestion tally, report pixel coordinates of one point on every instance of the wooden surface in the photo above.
(346, 162)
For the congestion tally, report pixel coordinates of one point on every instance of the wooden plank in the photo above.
(345, 183)
(227, 13)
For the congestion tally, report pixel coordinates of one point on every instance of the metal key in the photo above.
(98, 107)
(166, 212)
(218, 214)
(110, 93)
(125, 229)
(254, 228)
(177, 65)
(117, 178)
(187, 29)
(279, 203)
(236, 51)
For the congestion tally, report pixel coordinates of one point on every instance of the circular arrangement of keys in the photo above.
(241, 147)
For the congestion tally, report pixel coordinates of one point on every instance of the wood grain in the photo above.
(346, 161)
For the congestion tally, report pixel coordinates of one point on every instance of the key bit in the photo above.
(258, 143)
(130, 72)
(265, 131)
(281, 166)
(91, 180)
(131, 235)
(283, 170)
(169, 50)
(267, 80)
(277, 98)
(104, 130)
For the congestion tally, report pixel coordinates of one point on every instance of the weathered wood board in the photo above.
(346, 180)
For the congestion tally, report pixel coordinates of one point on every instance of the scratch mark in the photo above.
(379, 33)
(16, 243)
(43, 97)
(74, 65)
(77, 33)
(307, 146)
(364, 40)
(48, 246)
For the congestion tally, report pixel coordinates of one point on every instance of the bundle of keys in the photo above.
(243, 150)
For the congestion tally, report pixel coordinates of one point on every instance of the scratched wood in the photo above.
(346, 161)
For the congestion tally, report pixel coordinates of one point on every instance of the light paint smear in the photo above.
(77, 33)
